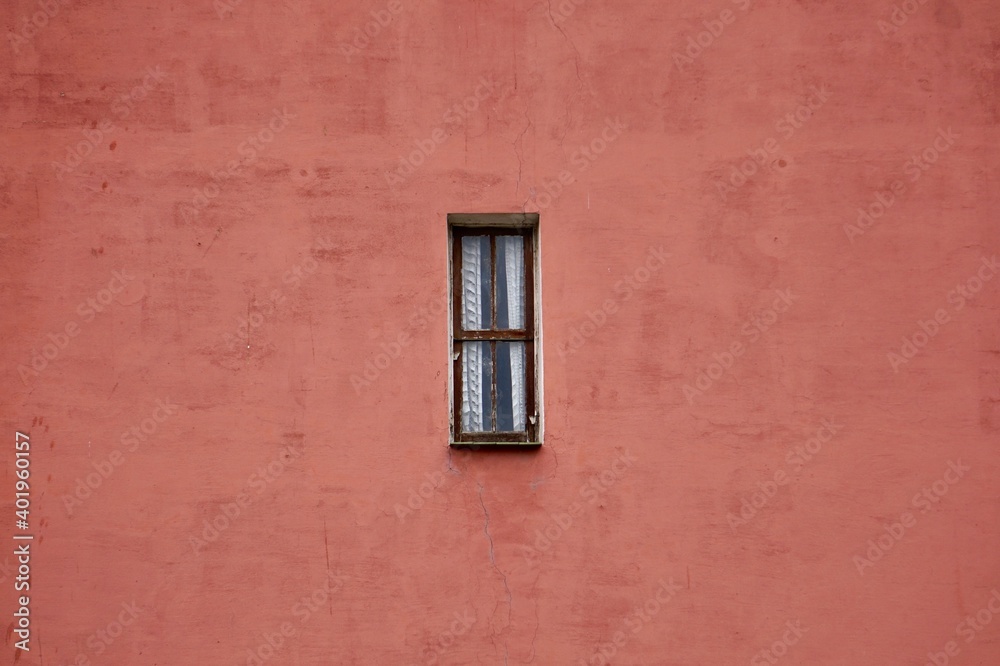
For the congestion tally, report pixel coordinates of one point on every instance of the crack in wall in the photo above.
(576, 60)
(534, 636)
(520, 153)
(493, 561)
(326, 544)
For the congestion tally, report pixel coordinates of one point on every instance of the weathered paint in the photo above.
(239, 299)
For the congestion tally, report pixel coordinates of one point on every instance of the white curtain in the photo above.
(474, 398)
(477, 361)
(514, 259)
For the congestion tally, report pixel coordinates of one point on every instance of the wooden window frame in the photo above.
(462, 226)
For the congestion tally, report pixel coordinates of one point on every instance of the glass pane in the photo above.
(511, 397)
(476, 306)
(510, 282)
(477, 387)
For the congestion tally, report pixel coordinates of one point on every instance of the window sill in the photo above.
(494, 445)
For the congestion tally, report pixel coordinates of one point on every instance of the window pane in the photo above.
(510, 386)
(477, 387)
(476, 305)
(510, 282)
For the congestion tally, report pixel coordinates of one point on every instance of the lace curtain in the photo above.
(477, 357)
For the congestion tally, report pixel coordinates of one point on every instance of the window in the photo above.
(494, 379)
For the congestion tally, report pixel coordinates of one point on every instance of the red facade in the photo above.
(767, 339)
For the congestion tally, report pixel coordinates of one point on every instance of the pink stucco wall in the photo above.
(771, 401)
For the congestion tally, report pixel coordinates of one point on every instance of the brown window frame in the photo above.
(493, 335)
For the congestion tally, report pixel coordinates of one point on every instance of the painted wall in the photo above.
(772, 399)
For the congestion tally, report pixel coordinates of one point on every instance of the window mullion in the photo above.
(493, 281)
(503, 336)
(493, 326)
(493, 377)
